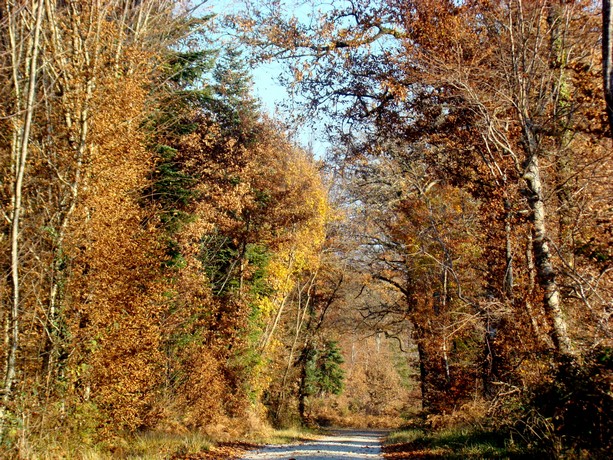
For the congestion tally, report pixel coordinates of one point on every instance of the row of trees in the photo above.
(162, 240)
(476, 156)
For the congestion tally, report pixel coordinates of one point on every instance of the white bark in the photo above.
(22, 136)
(546, 272)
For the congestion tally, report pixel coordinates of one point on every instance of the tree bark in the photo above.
(607, 59)
(532, 314)
(542, 255)
(20, 160)
(508, 274)
(302, 390)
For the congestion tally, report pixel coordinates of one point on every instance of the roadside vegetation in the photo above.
(455, 443)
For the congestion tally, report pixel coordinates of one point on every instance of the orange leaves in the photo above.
(110, 292)
(202, 390)
(127, 303)
(253, 201)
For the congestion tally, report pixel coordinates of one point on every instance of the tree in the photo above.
(82, 65)
(607, 59)
(24, 47)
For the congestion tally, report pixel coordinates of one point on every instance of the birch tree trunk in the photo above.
(21, 135)
(529, 105)
(542, 255)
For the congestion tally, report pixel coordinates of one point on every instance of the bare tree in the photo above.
(24, 29)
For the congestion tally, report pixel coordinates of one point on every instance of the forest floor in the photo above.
(337, 444)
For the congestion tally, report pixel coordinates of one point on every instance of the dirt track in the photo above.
(339, 444)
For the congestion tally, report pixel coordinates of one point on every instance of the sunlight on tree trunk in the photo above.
(21, 143)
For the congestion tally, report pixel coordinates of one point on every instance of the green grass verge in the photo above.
(455, 443)
(285, 436)
(145, 446)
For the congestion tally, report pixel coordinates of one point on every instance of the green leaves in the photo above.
(323, 370)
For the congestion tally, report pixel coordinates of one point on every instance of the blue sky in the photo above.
(270, 92)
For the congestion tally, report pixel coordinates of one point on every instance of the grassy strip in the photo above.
(460, 442)
(286, 436)
(155, 445)
(150, 446)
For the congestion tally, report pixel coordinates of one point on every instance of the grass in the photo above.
(404, 436)
(457, 442)
(149, 446)
(161, 445)
(157, 445)
(286, 436)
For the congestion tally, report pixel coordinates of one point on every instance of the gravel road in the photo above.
(339, 444)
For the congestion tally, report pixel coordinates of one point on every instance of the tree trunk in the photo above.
(544, 265)
(607, 59)
(20, 159)
(423, 377)
(508, 274)
(302, 389)
(542, 337)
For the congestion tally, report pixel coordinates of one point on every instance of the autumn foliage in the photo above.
(157, 210)
(473, 144)
(175, 263)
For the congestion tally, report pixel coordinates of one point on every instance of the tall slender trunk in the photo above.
(543, 262)
(444, 310)
(607, 59)
(302, 387)
(271, 327)
(20, 161)
(508, 274)
(423, 377)
(530, 311)
(301, 314)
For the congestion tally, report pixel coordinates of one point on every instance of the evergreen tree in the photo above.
(233, 106)
(324, 374)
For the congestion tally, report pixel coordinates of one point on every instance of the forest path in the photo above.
(338, 444)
